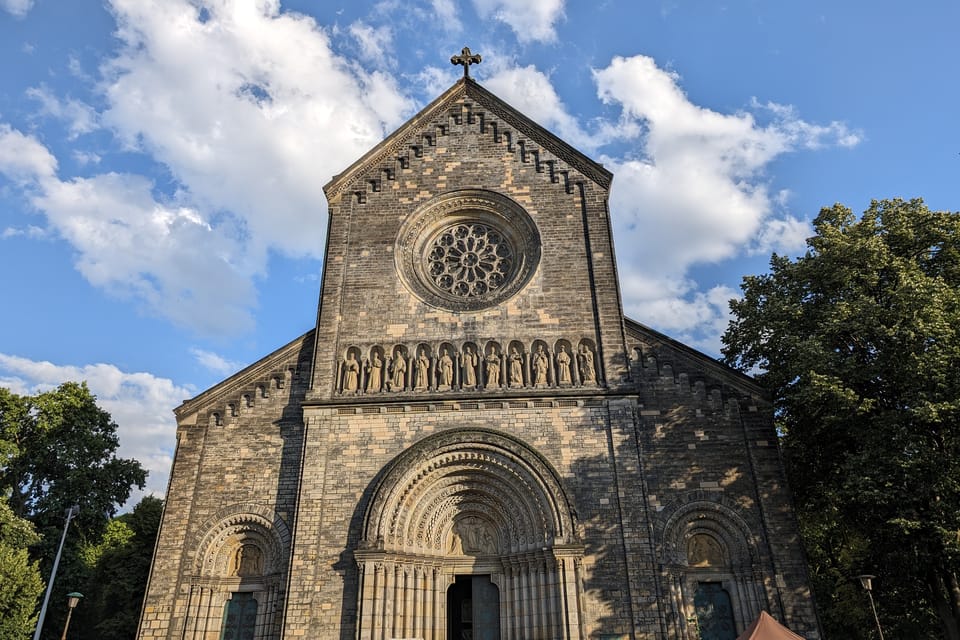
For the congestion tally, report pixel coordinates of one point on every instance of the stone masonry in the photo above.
(473, 441)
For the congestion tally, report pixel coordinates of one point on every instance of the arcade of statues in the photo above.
(468, 368)
(473, 441)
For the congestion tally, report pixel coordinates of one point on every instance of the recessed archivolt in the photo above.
(468, 479)
(245, 528)
(717, 523)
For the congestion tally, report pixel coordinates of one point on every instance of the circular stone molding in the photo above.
(467, 250)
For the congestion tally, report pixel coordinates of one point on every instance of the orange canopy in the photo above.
(767, 628)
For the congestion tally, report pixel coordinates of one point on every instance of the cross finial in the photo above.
(466, 59)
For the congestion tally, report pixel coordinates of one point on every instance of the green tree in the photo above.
(859, 342)
(19, 576)
(61, 450)
(58, 449)
(118, 567)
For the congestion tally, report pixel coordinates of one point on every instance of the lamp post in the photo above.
(71, 512)
(72, 600)
(867, 584)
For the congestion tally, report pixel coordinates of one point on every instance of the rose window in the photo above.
(470, 260)
(467, 250)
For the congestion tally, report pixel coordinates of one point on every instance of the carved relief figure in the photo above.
(540, 364)
(374, 373)
(351, 373)
(446, 369)
(563, 365)
(704, 551)
(587, 371)
(516, 368)
(469, 368)
(399, 371)
(471, 536)
(247, 561)
(493, 369)
(423, 368)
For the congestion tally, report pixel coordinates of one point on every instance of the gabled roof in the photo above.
(386, 151)
(263, 369)
(683, 358)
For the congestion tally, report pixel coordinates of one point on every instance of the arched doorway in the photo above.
(473, 609)
(469, 516)
(712, 569)
(236, 588)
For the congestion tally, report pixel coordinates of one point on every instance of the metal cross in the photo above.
(466, 59)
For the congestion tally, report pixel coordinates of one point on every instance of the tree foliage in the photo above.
(859, 342)
(19, 576)
(59, 449)
(117, 570)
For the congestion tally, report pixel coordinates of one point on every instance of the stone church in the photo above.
(474, 442)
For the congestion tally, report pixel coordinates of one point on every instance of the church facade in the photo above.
(473, 441)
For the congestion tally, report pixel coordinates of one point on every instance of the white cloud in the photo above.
(782, 235)
(133, 245)
(250, 136)
(531, 92)
(23, 158)
(696, 193)
(80, 118)
(140, 404)
(86, 157)
(376, 43)
(446, 11)
(806, 134)
(215, 362)
(30, 231)
(258, 128)
(17, 8)
(530, 20)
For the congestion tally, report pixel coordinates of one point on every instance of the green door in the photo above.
(239, 617)
(714, 612)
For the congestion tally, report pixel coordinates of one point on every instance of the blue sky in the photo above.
(162, 217)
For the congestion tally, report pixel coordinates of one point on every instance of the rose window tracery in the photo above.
(466, 250)
(470, 259)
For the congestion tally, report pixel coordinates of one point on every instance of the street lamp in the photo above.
(867, 584)
(71, 512)
(72, 600)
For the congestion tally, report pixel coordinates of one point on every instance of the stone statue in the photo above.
(423, 369)
(516, 368)
(493, 369)
(446, 369)
(351, 373)
(469, 368)
(399, 371)
(248, 561)
(540, 365)
(587, 371)
(374, 373)
(563, 365)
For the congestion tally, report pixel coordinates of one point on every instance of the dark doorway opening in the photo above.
(473, 609)
(714, 612)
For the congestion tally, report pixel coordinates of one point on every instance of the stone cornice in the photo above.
(387, 151)
(261, 369)
(707, 365)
